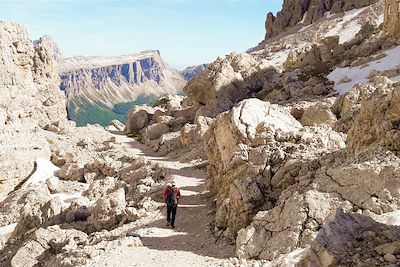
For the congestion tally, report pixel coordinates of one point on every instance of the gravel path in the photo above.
(190, 243)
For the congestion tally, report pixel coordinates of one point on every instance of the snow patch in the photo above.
(5, 233)
(305, 28)
(329, 15)
(380, 19)
(390, 218)
(290, 260)
(347, 28)
(44, 170)
(304, 18)
(8, 229)
(360, 75)
(395, 78)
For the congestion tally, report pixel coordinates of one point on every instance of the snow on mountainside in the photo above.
(346, 78)
(282, 158)
(349, 27)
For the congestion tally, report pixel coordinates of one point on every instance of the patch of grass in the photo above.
(83, 111)
(132, 135)
(124, 108)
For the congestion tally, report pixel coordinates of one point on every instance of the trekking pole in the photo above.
(216, 240)
(160, 210)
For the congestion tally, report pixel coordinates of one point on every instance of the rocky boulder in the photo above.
(155, 131)
(109, 211)
(347, 106)
(43, 242)
(170, 102)
(138, 118)
(233, 78)
(351, 239)
(14, 144)
(248, 149)
(317, 115)
(320, 187)
(377, 124)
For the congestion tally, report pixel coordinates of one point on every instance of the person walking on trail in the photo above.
(171, 196)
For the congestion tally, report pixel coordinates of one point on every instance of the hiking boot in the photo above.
(167, 223)
(172, 226)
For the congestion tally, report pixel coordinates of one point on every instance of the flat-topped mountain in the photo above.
(101, 82)
(109, 80)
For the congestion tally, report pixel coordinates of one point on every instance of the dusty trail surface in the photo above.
(190, 243)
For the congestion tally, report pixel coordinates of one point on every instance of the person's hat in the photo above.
(173, 183)
(169, 184)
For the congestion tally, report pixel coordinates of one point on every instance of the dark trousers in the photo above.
(171, 212)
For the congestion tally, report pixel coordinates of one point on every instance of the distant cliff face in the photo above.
(118, 79)
(307, 12)
(193, 71)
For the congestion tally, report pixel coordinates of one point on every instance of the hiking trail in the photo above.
(191, 242)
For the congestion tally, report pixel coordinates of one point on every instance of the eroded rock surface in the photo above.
(30, 101)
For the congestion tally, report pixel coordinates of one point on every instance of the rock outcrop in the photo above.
(253, 150)
(352, 239)
(392, 21)
(345, 179)
(235, 78)
(377, 124)
(30, 101)
(307, 12)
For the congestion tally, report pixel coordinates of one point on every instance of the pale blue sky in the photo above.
(187, 32)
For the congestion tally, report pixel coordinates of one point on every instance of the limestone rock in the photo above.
(43, 240)
(317, 115)
(71, 171)
(234, 78)
(155, 131)
(348, 234)
(118, 125)
(14, 144)
(347, 106)
(338, 183)
(170, 102)
(376, 124)
(307, 12)
(169, 142)
(29, 99)
(188, 134)
(32, 198)
(138, 118)
(109, 211)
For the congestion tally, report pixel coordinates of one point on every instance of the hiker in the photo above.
(171, 195)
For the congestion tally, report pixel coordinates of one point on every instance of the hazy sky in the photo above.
(187, 32)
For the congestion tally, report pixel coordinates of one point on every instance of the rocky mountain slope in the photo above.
(100, 83)
(306, 12)
(297, 134)
(117, 79)
(297, 141)
(193, 71)
(29, 102)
